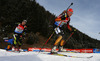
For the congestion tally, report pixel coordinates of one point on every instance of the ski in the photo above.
(67, 55)
(14, 51)
(24, 50)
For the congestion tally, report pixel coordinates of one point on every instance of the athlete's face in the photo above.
(69, 13)
(23, 23)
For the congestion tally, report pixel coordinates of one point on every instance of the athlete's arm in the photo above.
(25, 29)
(69, 26)
(58, 19)
(63, 17)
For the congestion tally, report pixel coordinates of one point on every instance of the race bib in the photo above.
(19, 29)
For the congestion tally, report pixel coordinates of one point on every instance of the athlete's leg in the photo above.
(61, 49)
(20, 43)
(14, 42)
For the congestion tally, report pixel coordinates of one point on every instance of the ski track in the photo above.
(35, 56)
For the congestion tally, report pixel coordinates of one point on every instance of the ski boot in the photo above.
(53, 51)
(61, 49)
(13, 49)
(20, 50)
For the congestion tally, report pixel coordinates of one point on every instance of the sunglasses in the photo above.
(70, 12)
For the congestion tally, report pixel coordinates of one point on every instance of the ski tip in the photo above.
(90, 57)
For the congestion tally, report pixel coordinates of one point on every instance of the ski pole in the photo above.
(70, 35)
(49, 37)
(47, 41)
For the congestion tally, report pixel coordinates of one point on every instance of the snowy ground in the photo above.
(35, 56)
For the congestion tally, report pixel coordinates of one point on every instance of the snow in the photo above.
(35, 56)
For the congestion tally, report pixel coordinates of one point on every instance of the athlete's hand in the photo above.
(74, 30)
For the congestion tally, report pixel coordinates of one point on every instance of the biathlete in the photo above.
(18, 35)
(59, 22)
